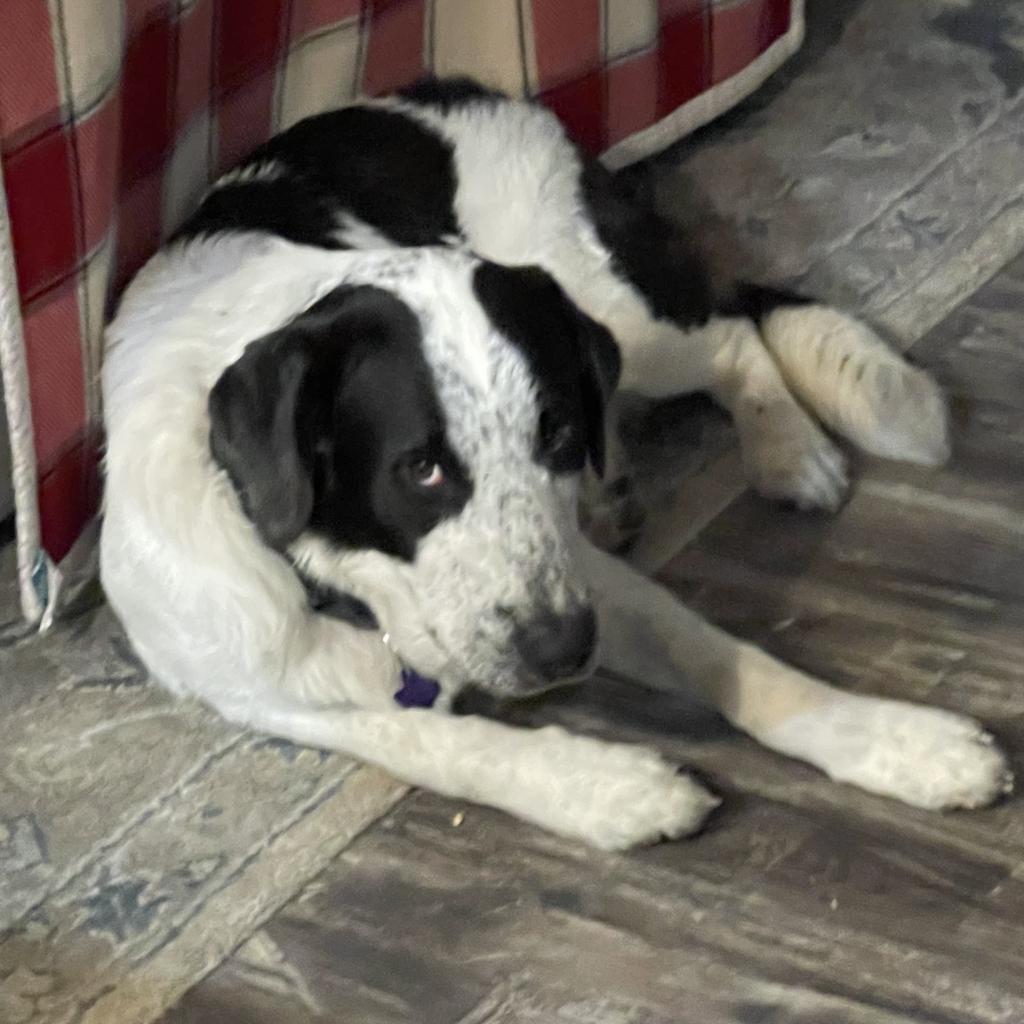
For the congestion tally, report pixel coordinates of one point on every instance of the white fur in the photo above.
(512, 544)
(924, 756)
(890, 410)
(786, 454)
(260, 170)
(355, 234)
(927, 757)
(519, 202)
(214, 612)
(611, 795)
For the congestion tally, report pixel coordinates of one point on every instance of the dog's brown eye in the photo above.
(427, 473)
(559, 442)
(555, 433)
(562, 437)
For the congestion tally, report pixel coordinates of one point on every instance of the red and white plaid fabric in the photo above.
(116, 114)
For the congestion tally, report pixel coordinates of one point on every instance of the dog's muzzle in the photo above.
(558, 647)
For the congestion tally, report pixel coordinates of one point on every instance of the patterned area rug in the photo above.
(141, 839)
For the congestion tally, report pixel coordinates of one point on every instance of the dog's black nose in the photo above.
(555, 646)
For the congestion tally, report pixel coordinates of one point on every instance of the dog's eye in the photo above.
(427, 473)
(561, 438)
(559, 444)
(556, 433)
(421, 469)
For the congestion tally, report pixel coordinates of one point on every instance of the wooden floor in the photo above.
(805, 902)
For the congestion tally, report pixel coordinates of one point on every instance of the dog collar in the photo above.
(415, 691)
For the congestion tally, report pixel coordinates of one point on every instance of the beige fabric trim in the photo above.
(482, 40)
(629, 26)
(14, 373)
(708, 105)
(319, 74)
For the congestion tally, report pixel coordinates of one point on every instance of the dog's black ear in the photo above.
(254, 435)
(566, 348)
(602, 364)
(273, 412)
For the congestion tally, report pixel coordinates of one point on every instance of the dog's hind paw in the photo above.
(911, 413)
(858, 385)
(611, 514)
(788, 457)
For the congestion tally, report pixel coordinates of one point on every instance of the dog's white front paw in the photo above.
(788, 457)
(615, 796)
(927, 757)
(647, 808)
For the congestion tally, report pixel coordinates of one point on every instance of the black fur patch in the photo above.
(756, 301)
(446, 93)
(574, 359)
(291, 207)
(336, 604)
(322, 424)
(380, 166)
(648, 251)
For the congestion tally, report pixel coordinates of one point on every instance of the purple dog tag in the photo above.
(417, 691)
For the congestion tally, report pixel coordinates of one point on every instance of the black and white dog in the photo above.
(377, 359)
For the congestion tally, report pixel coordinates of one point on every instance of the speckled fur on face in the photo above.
(509, 554)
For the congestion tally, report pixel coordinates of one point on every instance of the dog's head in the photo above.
(418, 443)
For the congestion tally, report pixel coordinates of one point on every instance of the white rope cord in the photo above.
(32, 565)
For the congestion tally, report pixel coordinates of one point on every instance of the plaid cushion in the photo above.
(114, 117)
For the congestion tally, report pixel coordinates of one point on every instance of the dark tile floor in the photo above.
(805, 902)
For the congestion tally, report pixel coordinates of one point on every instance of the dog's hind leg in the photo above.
(852, 380)
(786, 454)
(752, 348)
(632, 270)
(924, 756)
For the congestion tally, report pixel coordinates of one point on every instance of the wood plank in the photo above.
(772, 912)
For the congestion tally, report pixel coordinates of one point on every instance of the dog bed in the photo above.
(114, 117)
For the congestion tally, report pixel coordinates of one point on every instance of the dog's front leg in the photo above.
(611, 795)
(924, 756)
